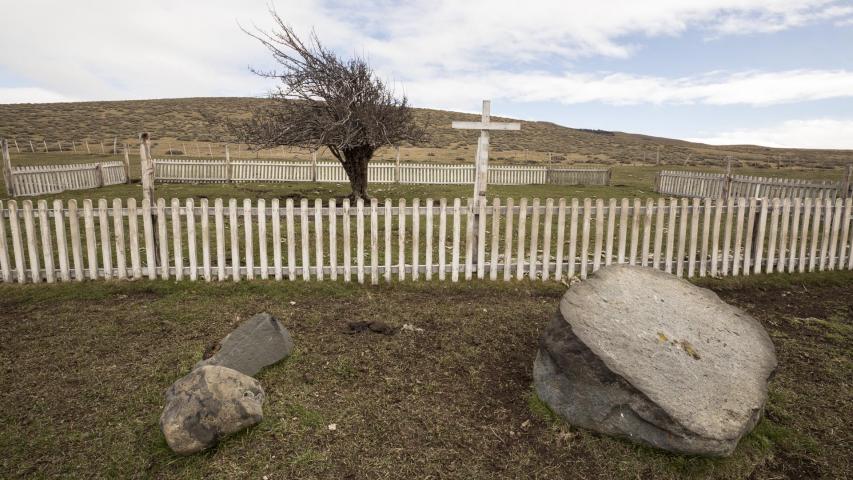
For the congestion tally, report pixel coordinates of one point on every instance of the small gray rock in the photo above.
(638, 353)
(260, 341)
(207, 404)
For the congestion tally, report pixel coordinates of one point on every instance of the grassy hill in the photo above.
(176, 122)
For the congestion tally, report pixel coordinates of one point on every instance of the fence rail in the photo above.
(717, 185)
(214, 171)
(218, 240)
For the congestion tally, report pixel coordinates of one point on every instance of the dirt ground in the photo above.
(84, 368)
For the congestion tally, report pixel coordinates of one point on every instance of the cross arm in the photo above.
(487, 126)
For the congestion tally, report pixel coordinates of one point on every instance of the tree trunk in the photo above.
(355, 164)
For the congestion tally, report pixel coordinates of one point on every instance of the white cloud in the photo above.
(747, 88)
(112, 49)
(31, 95)
(815, 133)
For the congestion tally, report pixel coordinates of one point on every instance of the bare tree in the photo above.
(325, 101)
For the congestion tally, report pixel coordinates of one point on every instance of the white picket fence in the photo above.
(703, 185)
(47, 179)
(214, 171)
(218, 240)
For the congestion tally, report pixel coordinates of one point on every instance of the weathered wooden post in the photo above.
(45, 145)
(16, 146)
(7, 169)
(314, 166)
(197, 150)
(147, 167)
(657, 156)
(32, 148)
(60, 146)
(184, 149)
(169, 144)
(397, 173)
(115, 145)
(99, 174)
(209, 150)
(727, 180)
(229, 175)
(88, 152)
(848, 183)
(147, 179)
(74, 146)
(103, 152)
(126, 165)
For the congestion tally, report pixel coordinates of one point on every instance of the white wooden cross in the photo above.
(481, 170)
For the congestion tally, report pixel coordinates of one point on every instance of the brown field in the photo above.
(84, 368)
(181, 124)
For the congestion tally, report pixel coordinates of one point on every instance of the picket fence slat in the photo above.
(533, 238)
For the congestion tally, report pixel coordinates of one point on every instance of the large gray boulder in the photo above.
(638, 353)
(207, 404)
(260, 341)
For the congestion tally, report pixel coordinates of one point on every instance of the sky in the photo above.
(777, 73)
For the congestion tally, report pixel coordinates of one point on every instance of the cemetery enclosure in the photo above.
(47, 179)
(205, 171)
(716, 185)
(219, 240)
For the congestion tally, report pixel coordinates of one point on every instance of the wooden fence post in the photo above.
(147, 165)
(115, 145)
(197, 150)
(397, 176)
(657, 156)
(609, 173)
(99, 169)
(147, 174)
(228, 174)
(102, 147)
(88, 152)
(727, 180)
(848, 182)
(314, 166)
(60, 145)
(45, 145)
(126, 165)
(209, 150)
(32, 148)
(7, 169)
(74, 146)
(16, 145)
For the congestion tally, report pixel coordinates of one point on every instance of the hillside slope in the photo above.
(183, 120)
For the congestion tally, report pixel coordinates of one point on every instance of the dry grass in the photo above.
(84, 368)
(177, 123)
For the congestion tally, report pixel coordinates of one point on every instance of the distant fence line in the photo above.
(217, 171)
(370, 242)
(47, 179)
(720, 185)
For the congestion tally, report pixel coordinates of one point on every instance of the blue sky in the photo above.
(769, 72)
